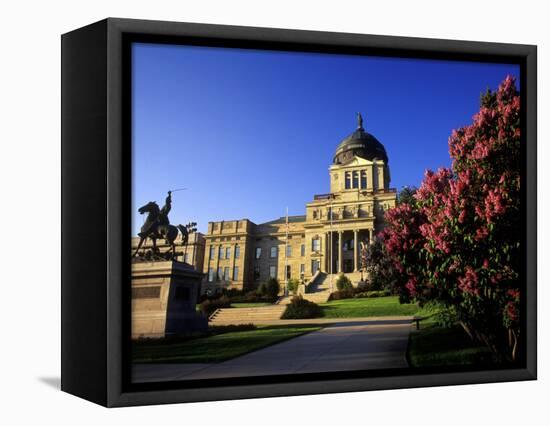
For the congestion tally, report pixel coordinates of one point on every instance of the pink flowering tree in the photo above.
(459, 243)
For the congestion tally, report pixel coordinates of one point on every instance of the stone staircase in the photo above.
(319, 289)
(318, 292)
(247, 315)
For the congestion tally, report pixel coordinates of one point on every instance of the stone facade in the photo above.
(241, 254)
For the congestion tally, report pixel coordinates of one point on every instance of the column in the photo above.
(355, 250)
(331, 253)
(340, 246)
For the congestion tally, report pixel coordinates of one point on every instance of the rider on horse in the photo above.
(157, 226)
(163, 215)
(150, 226)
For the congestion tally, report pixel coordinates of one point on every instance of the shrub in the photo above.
(343, 283)
(356, 293)
(232, 292)
(300, 308)
(443, 315)
(342, 294)
(374, 293)
(271, 287)
(262, 289)
(253, 297)
(209, 306)
(293, 285)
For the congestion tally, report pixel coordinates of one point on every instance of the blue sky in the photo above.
(251, 132)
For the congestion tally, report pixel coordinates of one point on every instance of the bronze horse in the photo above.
(157, 226)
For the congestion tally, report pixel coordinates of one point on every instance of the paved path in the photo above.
(351, 345)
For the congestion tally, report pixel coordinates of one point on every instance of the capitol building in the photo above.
(326, 240)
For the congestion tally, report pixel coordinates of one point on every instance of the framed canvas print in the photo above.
(254, 212)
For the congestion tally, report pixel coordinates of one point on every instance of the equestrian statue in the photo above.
(157, 226)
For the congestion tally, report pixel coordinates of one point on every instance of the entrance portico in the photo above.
(342, 251)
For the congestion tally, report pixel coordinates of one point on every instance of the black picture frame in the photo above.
(96, 207)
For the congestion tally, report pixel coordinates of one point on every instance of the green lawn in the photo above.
(434, 346)
(368, 307)
(250, 305)
(216, 348)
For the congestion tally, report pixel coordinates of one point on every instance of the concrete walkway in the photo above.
(345, 346)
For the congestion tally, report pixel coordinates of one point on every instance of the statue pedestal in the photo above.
(164, 295)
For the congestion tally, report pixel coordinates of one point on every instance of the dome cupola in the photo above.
(361, 144)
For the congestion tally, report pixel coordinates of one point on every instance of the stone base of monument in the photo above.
(164, 295)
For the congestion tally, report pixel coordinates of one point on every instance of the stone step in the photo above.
(242, 315)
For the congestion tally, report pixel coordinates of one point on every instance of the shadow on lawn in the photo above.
(214, 331)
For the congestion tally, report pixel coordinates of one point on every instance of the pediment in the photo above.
(354, 162)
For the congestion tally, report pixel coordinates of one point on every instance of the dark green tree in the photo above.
(406, 195)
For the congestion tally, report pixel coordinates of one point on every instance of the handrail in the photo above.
(312, 280)
(213, 314)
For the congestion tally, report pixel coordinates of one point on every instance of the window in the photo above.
(228, 252)
(220, 253)
(236, 273)
(210, 275)
(356, 179)
(302, 270)
(288, 272)
(212, 252)
(273, 271)
(226, 273)
(273, 252)
(316, 244)
(348, 180)
(363, 179)
(303, 250)
(348, 245)
(220, 273)
(237, 252)
(288, 251)
(258, 252)
(314, 266)
(256, 272)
